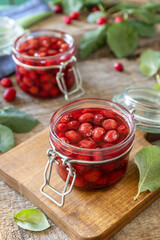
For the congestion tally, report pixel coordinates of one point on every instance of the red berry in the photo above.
(93, 175)
(74, 15)
(111, 136)
(95, 9)
(101, 20)
(86, 117)
(102, 181)
(6, 82)
(118, 66)
(109, 124)
(118, 19)
(57, 8)
(109, 114)
(115, 176)
(62, 127)
(67, 19)
(109, 167)
(85, 129)
(64, 139)
(73, 136)
(67, 118)
(98, 118)
(9, 94)
(87, 143)
(122, 129)
(98, 134)
(73, 124)
(79, 182)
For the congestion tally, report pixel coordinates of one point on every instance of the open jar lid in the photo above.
(144, 105)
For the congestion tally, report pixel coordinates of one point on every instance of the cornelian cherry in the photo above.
(6, 82)
(118, 66)
(101, 20)
(9, 94)
(57, 8)
(75, 15)
(67, 19)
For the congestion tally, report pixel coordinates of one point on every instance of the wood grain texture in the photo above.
(86, 215)
(100, 80)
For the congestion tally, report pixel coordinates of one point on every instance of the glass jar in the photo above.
(88, 168)
(44, 72)
(9, 30)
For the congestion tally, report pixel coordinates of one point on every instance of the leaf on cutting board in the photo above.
(148, 163)
(122, 39)
(95, 15)
(72, 5)
(92, 41)
(32, 219)
(150, 62)
(6, 139)
(18, 121)
(143, 29)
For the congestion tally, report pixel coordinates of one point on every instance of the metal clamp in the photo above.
(78, 91)
(52, 158)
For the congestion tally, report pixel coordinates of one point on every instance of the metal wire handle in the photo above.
(52, 158)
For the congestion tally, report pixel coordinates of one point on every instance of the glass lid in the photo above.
(144, 105)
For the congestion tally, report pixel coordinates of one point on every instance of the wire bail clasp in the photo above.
(78, 90)
(52, 158)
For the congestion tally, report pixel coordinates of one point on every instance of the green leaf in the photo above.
(156, 86)
(92, 41)
(143, 29)
(6, 139)
(32, 219)
(72, 5)
(122, 39)
(95, 15)
(122, 6)
(152, 6)
(145, 15)
(150, 62)
(18, 121)
(32, 19)
(148, 163)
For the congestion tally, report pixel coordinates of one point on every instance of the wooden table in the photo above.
(100, 80)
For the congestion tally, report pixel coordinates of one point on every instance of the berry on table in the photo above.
(118, 19)
(6, 82)
(101, 20)
(118, 66)
(58, 8)
(95, 9)
(75, 15)
(67, 19)
(9, 94)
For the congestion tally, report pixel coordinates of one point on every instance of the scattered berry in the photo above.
(74, 15)
(6, 82)
(67, 19)
(9, 94)
(118, 66)
(101, 20)
(118, 19)
(58, 8)
(95, 9)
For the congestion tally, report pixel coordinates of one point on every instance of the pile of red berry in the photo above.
(10, 93)
(97, 130)
(43, 51)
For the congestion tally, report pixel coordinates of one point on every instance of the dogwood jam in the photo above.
(93, 134)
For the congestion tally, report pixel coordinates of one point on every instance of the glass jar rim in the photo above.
(15, 51)
(111, 148)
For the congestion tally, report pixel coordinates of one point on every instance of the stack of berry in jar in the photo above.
(38, 56)
(98, 136)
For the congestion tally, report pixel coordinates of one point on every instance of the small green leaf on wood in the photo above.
(95, 15)
(148, 163)
(6, 139)
(92, 41)
(150, 62)
(32, 219)
(18, 121)
(122, 39)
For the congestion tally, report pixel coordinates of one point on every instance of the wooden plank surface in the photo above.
(100, 80)
(86, 215)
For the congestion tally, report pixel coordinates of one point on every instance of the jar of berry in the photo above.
(46, 65)
(90, 143)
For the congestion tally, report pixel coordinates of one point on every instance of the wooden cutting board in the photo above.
(93, 215)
